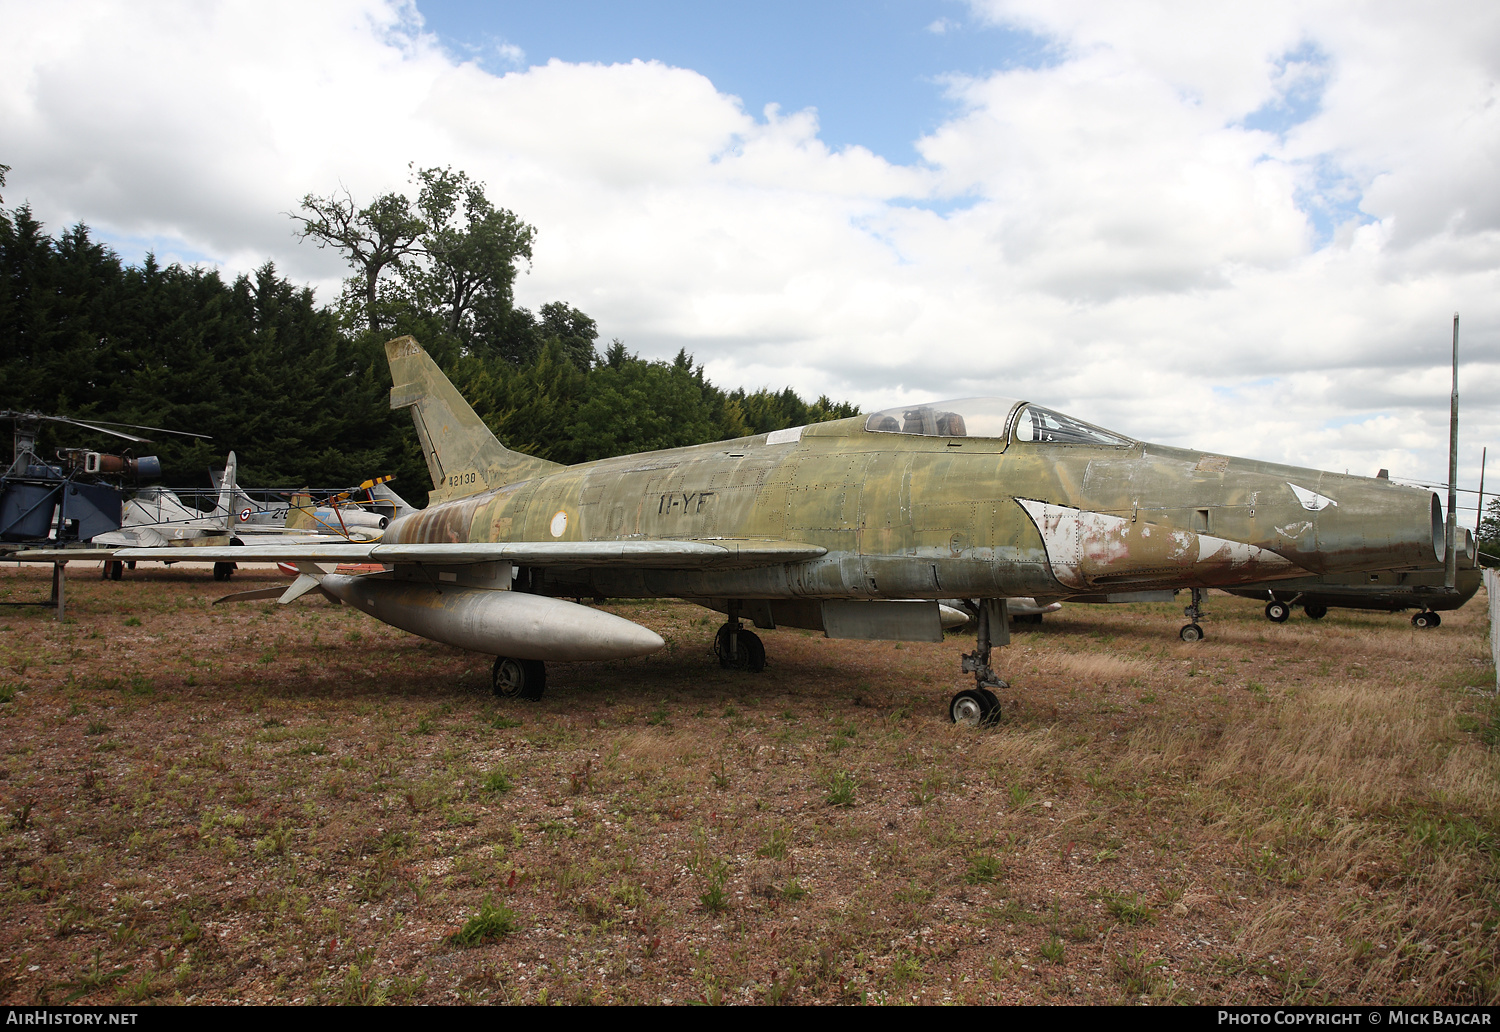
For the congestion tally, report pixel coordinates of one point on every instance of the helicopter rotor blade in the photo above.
(98, 429)
(158, 429)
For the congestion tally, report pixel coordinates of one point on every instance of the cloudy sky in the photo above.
(1242, 227)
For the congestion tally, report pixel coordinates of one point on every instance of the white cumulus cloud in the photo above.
(1240, 226)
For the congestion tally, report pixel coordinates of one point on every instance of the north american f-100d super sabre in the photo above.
(854, 527)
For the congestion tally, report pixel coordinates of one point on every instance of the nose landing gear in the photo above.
(979, 706)
(1194, 612)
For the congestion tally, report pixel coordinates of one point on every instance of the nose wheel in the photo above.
(978, 706)
(974, 707)
(1277, 612)
(1194, 612)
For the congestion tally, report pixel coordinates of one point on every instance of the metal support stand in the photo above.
(994, 629)
(59, 586)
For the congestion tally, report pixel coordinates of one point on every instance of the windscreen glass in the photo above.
(967, 417)
(1034, 423)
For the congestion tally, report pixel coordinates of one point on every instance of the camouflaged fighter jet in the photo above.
(1381, 591)
(854, 527)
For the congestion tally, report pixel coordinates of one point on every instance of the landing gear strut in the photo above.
(737, 648)
(1194, 612)
(518, 678)
(978, 706)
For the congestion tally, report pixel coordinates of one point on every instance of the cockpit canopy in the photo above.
(990, 417)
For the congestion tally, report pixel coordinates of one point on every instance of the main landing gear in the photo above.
(1426, 619)
(979, 706)
(737, 648)
(1194, 612)
(223, 571)
(518, 678)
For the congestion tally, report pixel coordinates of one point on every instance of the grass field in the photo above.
(261, 803)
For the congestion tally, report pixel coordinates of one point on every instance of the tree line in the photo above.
(300, 390)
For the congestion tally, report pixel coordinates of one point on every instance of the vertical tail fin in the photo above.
(462, 454)
(226, 493)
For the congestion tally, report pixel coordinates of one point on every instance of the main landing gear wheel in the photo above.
(1277, 612)
(1192, 632)
(974, 707)
(745, 652)
(518, 678)
(1315, 611)
(223, 571)
(112, 570)
(1425, 619)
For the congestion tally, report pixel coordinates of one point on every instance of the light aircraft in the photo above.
(854, 527)
(156, 518)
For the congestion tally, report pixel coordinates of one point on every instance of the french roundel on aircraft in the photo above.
(244, 515)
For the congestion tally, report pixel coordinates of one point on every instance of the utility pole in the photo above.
(1484, 457)
(1450, 559)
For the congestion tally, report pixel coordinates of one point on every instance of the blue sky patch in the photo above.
(1300, 79)
(875, 71)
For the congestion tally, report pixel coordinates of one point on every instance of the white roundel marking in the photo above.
(559, 523)
(244, 515)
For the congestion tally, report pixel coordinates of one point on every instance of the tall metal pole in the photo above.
(1450, 559)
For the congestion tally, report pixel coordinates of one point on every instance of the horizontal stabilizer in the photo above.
(250, 596)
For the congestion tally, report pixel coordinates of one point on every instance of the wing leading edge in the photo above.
(723, 553)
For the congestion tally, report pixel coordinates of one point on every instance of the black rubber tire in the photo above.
(974, 707)
(1191, 632)
(518, 678)
(1315, 611)
(1277, 612)
(1424, 620)
(749, 655)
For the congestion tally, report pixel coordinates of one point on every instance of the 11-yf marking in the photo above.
(682, 502)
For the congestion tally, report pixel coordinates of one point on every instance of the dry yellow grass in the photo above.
(269, 803)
